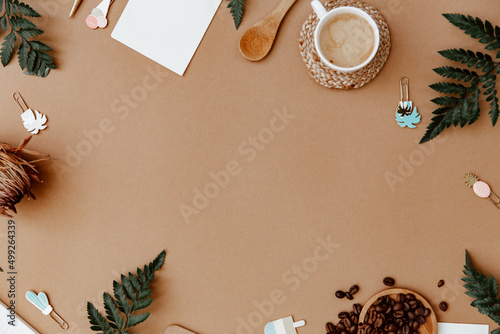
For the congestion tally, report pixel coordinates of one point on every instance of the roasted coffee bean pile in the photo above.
(403, 315)
(348, 323)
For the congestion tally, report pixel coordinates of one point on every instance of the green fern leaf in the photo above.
(19, 22)
(7, 48)
(96, 319)
(32, 55)
(449, 88)
(135, 282)
(456, 73)
(158, 262)
(483, 289)
(29, 32)
(130, 295)
(476, 29)
(236, 11)
(113, 315)
(135, 320)
(144, 294)
(22, 54)
(445, 100)
(21, 8)
(37, 45)
(120, 297)
(474, 106)
(142, 304)
(128, 288)
(141, 276)
(437, 125)
(3, 21)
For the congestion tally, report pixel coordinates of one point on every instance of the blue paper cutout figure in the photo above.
(407, 119)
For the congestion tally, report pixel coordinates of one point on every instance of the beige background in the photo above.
(324, 175)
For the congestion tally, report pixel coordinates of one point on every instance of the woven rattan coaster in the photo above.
(330, 78)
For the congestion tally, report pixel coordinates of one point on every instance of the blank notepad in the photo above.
(449, 328)
(166, 31)
(20, 328)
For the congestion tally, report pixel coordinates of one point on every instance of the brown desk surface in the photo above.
(324, 175)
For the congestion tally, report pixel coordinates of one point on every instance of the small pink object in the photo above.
(482, 189)
(102, 22)
(92, 22)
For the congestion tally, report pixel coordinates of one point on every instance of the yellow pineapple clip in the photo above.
(482, 189)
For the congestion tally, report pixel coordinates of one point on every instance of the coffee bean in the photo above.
(330, 328)
(389, 281)
(440, 283)
(419, 311)
(398, 307)
(410, 296)
(354, 289)
(392, 327)
(343, 315)
(443, 306)
(427, 312)
(353, 329)
(349, 296)
(398, 314)
(356, 308)
(421, 320)
(340, 294)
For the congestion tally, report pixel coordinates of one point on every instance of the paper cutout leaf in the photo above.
(34, 122)
(408, 120)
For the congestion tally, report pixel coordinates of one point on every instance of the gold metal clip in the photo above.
(20, 101)
(58, 320)
(404, 82)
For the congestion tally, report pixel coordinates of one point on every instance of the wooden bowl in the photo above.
(430, 326)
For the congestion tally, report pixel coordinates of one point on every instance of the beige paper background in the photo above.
(321, 176)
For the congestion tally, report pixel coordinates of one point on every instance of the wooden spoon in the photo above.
(256, 43)
(430, 326)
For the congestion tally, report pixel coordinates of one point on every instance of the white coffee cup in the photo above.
(325, 16)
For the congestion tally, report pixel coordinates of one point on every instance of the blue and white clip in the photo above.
(406, 113)
(42, 303)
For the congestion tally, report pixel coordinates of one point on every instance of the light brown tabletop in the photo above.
(253, 252)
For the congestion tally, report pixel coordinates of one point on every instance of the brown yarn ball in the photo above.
(17, 175)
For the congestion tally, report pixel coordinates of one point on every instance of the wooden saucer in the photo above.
(430, 326)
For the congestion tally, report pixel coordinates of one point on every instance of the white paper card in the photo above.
(449, 328)
(20, 328)
(166, 31)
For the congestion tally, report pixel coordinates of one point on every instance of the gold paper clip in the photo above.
(404, 83)
(20, 101)
(482, 189)
(58, 320)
